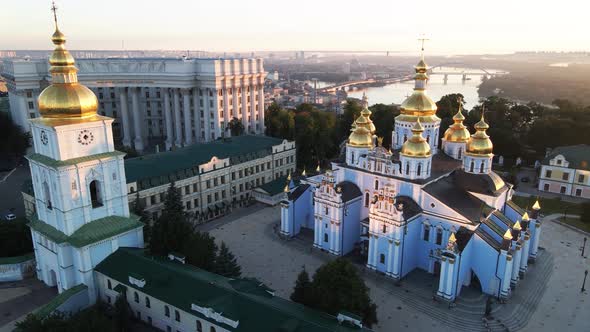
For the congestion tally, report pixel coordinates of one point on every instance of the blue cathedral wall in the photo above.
(484, 265)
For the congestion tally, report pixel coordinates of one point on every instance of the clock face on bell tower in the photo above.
(85, 137)
(43, 137)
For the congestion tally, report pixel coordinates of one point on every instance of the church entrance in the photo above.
(475, 283)
(95, 194)
(52, 278)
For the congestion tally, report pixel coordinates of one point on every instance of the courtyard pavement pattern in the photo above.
(19, 298)
(550, 301)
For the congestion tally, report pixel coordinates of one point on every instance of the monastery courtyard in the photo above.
(552, 285)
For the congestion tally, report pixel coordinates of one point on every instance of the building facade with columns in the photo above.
(171, 102)
(410, 208)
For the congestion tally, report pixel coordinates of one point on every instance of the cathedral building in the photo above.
(416, 206)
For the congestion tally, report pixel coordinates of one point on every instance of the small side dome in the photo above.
(480, 143)
(416, 146)
(457, 132)
(361, 137)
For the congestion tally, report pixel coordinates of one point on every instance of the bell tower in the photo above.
(82, 210)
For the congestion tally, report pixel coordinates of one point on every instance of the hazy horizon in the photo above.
(460, 27)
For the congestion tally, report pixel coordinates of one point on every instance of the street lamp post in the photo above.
(584, 282)
(583, 246)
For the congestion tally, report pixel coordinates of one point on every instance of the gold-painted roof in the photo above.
(418, 103)
(361, 137)
(452, 238)
(413, 118)
(480, 143)
(525, 216)
(537, 206)
(457, 132)
(508, 235)
(365, 118)
(65, 98)
(416, 146)
(517, 226)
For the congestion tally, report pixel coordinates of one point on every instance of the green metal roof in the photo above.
(59, 163)
(16, 259)
(89, 233)
(245, 300)
(275, 187)
(52, 305)
(162, 168)
(578, 156)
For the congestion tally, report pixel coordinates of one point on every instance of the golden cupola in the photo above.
(416, 146)
(480, 143)
(360, 136)
(366, 114)
(65, 98)
(457, 132)
(419, 103)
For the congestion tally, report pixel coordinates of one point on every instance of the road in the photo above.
(10, 191)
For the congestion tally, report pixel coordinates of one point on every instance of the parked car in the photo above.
(9, 216)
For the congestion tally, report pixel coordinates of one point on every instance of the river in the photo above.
(397, 92)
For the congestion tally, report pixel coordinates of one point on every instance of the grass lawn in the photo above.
(576, 223)
(549, 205)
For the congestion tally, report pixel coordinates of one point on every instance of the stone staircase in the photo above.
(466, 314)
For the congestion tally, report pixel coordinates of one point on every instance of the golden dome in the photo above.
(480, 143)
(361, 137)
(457, 132)
(365, 118)
(65, 98)
(418, 103)
(416, 146)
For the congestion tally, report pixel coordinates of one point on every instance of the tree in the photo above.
(303, 288)
(92, 319)
(15, 238)
(351, 111)
(139, 210)
(337, 287)
(122, 313)
(200, 250)
(384, 118)
(226, 263)
(13, 141)
(172, 229)
(236, 127)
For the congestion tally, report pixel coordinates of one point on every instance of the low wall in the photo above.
(69, 301)
(17, 268)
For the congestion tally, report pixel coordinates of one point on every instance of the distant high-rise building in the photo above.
(178, 101)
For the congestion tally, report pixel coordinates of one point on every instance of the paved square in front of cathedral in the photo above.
(276, 262)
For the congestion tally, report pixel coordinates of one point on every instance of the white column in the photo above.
(138, 141)
(178, 131)
(450, 277)
(317, 232)
(197, 115)
(168, 119)
(337, 244)
(441, 280)
(207, 115)
(252, 114)
(216, 125)
(525, 253)
(226, 115)
(235, 101)
(125, 117)
(507, 273)
(389, 257)
(515, 266)
(396, 268)
(244, 104)
(535, 244)
(261, 130)
(186, 106)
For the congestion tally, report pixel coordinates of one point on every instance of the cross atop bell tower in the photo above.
(54, 10)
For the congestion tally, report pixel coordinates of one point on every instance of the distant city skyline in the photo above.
(457, 27)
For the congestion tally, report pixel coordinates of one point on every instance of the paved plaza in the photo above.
(548, 299)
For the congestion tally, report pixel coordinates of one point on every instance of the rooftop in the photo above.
(162, 168)
(577, 155)
(246, 301)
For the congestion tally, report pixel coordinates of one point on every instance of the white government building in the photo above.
(154, 100)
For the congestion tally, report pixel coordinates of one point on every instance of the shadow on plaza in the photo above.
(467, 313)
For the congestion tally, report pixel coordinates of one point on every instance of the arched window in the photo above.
(367, 199)
(325, 237)
(419, 169)
(405, 138)
(472, 166)
(212, 329)
(382, 258)
(109, 286)
(95, 194)
(376, 184)
(199, 326)
(460, 153)
(439, 236)
(166, 311)
(428, 138)
(147, 302)
(47, 195)
(407, 168)
(352, 157)
(135, 297)
(481, 167)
